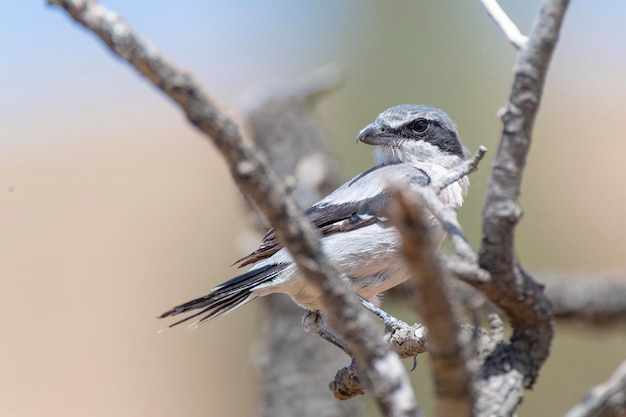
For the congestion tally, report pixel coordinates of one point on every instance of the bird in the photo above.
(413, 145)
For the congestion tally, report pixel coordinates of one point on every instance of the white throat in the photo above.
(414, 152)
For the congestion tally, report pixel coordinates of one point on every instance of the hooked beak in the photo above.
(373, 134)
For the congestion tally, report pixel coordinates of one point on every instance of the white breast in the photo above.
(368, 257)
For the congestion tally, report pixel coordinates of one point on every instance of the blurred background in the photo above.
(113, 208)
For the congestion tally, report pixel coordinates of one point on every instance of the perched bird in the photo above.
(413, 145)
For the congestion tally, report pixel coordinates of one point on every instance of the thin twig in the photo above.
(469, 272)
(506, 25)
(605, 400)
(466, 168)
(380, 368)
(447, 216)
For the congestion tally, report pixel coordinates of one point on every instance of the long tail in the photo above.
(226, 297)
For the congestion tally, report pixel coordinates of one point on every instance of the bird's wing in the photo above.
(358, 203)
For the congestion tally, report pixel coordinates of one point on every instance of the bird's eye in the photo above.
(420, 125)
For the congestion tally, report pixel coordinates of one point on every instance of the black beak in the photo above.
(372, 134)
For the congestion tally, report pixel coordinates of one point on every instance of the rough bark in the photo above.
(452, 377)
(294, 367)
(516, 365)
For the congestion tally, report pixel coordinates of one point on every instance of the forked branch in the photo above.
(510, 287)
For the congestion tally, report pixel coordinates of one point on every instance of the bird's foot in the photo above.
(389, 320)
(314, 324)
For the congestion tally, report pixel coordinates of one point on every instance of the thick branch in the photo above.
(283, 122)
(595, 300)
(452, 379)
(606, 400)
(380, 368)
(511, 288)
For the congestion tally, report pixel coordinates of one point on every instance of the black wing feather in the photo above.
(331, 218)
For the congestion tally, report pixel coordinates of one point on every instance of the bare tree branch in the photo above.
(506, 25)
(346, 384)
(453, 175)
(410, 341)
(282, 120)
(606, 400)
(468, 272)
(379, 367)
(452, 378)
(407, 341)
(597, 300)
(446, 215)
(517, 364)
(588, 299)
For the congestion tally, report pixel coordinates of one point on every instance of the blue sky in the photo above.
(232, 45)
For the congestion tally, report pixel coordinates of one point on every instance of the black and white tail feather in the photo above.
(413, 144)
(226, 297)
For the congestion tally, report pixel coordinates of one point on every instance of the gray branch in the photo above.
(380, 368)
(516, 365)
(295, 368)
(451, 376)
(453, 175)
(446, 215)
(594, 300)
(410, 341)
(605, 400)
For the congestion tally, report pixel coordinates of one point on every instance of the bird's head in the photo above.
(414, 133)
